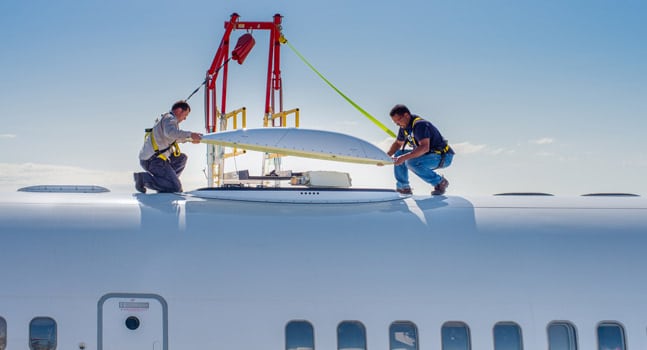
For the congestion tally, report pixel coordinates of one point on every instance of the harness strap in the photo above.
(415, 142)
(406, 134)
(160, 153)
(407, 140)
(443, 154)
(444, 150)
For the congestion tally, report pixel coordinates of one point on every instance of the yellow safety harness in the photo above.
(411, 139)
(442, 151)
(160, 153)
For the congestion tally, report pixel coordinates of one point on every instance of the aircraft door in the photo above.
(129, 321)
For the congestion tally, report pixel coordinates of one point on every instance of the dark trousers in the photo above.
(163, 175)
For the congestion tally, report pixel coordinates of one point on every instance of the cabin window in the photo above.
(455, 336)
(561, 336)
(3, 333)
(42, 334)
(507, 336)
(611, 336)
(299, 335)
(403, 336)
(351, 335)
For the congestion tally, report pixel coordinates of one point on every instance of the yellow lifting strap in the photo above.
(176, 147)
(283, 40)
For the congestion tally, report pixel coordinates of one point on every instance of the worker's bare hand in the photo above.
(196, 137)
(398, 160)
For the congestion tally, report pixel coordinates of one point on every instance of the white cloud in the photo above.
(25, 174)
(385, 143)
(467, 148)
(7, 136)
(543, 141)
(500, 150)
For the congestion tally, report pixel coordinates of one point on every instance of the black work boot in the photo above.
(139, 183)
(440, 188)
(405, 190)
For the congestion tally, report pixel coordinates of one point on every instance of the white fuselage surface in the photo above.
(167, 271)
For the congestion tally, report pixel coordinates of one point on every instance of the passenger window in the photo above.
(42, 334)
(3, 333)
(403, 336)
(299, 335)
(561, 336)
(455, 336)
(507, 336)
(611, 336)
(351, 335)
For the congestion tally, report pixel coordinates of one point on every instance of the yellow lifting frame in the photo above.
(234, 115)
(217, 167)
(283, 117)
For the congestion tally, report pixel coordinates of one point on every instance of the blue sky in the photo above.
(547, 96)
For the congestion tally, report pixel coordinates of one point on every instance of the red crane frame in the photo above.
(221, 60)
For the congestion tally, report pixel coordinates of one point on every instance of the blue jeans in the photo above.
(422, 166)
(163, 175)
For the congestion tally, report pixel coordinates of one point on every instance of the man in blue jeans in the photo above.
(429, 151)
(160, 156)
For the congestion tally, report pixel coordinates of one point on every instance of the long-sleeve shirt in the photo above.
(166, 131)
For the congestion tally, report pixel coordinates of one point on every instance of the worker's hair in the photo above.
(182, 105)
(399, 110)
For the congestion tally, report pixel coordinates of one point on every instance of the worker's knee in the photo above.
(171, 189)
(182, 158)
(176, 187)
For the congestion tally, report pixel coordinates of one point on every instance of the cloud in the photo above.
(543, 141)
(25, 174)
(500, 150)
(7, 136)
(467, 148)
(385, 143)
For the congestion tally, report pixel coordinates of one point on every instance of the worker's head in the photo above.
(400, 115)
(181, 110)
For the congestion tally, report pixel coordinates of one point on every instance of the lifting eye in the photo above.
(132, 323)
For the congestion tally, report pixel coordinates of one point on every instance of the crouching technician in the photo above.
(429, 151)
(160, 156)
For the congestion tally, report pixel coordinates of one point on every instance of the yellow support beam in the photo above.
(283, 118)
(234, 115)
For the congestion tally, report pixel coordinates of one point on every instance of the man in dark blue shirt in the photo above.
(429, 151)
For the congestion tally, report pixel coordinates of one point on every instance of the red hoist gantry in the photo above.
(216, 114)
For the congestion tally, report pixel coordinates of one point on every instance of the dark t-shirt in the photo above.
(422, 129)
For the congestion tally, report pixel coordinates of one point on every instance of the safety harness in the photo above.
(411, 140)
(160, 153)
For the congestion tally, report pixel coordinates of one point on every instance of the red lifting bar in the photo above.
(244, 45)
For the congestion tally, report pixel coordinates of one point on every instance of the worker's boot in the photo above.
(440, 188)
(405, 190)
(139, 183)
